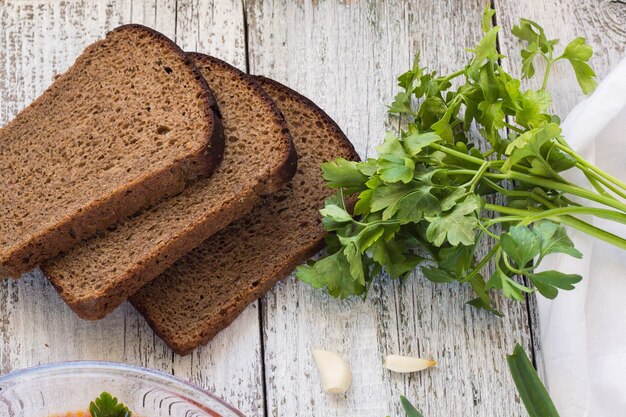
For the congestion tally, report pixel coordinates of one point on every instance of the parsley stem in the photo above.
(544, 84)
(529, 194)
(597, 212)
(482, 262)
(568, 221)
(546, 74)
(375, 222)
(460, 155)
(562, 145)
(503, 219)
(513, 127)
(511, 268)
(531, 217)
(474, 181)
(592, 230)
(507, 210)
(343, 200)
(568, 201)
(489, 152)
(551, 184)
(564, 187)
(517, 193)
(597, 182)
(487, 224)
(451, 76)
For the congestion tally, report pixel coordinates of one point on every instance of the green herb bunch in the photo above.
(423, 200)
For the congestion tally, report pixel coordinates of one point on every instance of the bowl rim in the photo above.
(86, 365)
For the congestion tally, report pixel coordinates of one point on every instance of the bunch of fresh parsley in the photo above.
(423, 200)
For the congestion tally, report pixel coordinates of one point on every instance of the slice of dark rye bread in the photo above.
(206, 290)
(129, 123)
(259, 158)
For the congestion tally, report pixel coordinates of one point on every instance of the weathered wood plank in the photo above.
(213, 27)
(602, 23)
(345, 56)
(37, 40)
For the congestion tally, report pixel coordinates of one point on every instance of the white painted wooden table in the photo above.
(344, 55)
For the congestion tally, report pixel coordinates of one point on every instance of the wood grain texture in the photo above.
(345, 56)
(38, 40)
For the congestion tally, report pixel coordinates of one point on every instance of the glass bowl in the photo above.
(56, 389)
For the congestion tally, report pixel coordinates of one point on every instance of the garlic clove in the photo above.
(334, 371)
(406, 364)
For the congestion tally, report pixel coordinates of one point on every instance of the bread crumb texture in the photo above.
(128, 123)
(103, 272)
(207, 289)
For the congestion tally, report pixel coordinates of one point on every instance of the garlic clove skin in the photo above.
(334, 371)
(407, 364)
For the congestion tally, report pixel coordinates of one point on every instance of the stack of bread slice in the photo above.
(173, 180)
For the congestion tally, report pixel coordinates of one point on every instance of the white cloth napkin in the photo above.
(583, 332)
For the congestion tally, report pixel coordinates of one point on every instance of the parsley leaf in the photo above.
(492, 116)
(395, 169)
(394, 165)
(457, 259)
(531, 32)
(438, 276)
(548, 282)
(529, 147)
(408, 202)
(510, 288)
(554, 239)
(341, 173)
(485, 49)
(387, 197)
(415, 141)
(334, 215)
(578, 52)
(332, 273)
(532, 108)
(456, 226)
(108, 406)
(538, 44)
(521, 244)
